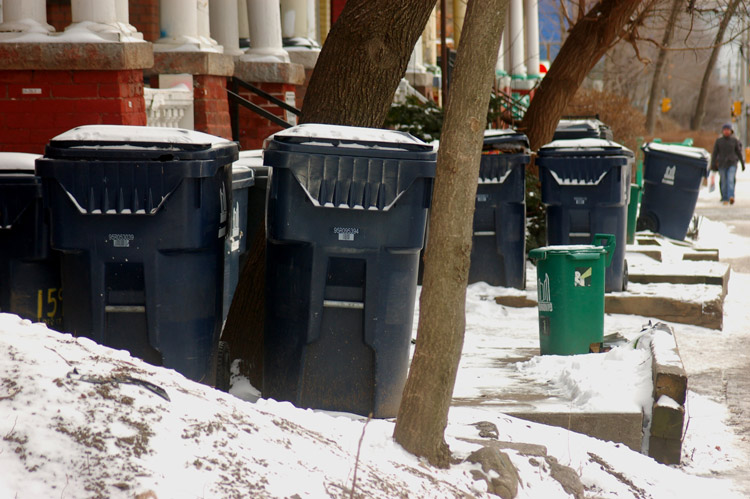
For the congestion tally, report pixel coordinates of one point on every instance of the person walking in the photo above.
(727, 152)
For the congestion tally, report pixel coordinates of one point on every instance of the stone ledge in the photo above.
(307, 57)
(270, 72)
(195, 63)
(76, 56)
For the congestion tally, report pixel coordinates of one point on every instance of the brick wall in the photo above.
(59, 13)
(144, 15)
(36, 105)
(254, 128)
(211, 105)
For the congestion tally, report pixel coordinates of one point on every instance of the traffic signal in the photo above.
(736, 108)
(666, 104)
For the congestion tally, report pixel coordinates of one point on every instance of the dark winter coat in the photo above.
(727, 152)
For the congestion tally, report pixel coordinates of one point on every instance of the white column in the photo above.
(531, 9)
(312, 20)
(416, 60)
(105, 18)
(264, 23)
(429, 37)
(244, 30)
(516, 39)
(204, 25)
(178, 20)
(224, 25)
(28, 16)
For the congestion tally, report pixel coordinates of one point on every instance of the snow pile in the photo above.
(619, 380)
(68, 432)
(79, 419)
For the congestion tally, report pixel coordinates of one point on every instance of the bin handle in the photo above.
(538, 254)
(584, 256)
(608, 242)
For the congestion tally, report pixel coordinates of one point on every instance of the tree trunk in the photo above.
(700, 104)
(587, 42)
(363, 59)
(661, 61)
(423, 414)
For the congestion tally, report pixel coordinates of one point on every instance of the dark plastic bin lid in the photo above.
(315, 138)
(242, 177)
(687, 154)
(123, 143)
(584, 148)
(508, 140)
(582, 128)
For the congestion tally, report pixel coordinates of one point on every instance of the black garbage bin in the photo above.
(582, 128)
(29, 268)
(672, 176)
(256, 200)
(243, 178)
(586, 190)
(141, 215)
(346, 216)
(498, 253)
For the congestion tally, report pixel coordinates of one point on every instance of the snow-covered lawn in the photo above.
(77, 420)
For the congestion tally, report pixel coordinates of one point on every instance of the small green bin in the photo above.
(570, 289)
(635, 202)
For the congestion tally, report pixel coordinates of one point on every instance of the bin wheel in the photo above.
(625, 276)
(647, 221)
(223, 365)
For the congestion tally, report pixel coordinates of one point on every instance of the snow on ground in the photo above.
(78, 420)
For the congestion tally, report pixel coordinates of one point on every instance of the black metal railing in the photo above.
(236, 100)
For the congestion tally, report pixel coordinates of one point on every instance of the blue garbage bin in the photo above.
(29, 268)
(672, 176)
(141, 215)
(582, 128)
(586, 189)
(346, 217)
(243, 178)
(498, 253)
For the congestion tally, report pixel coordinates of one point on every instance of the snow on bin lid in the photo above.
(252, 158)
(131, 135)
(572, 248)
(584, 144)
(690, 152)
(350, 134)
(505, 138)
(17, 162)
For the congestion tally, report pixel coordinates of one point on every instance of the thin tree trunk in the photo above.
(661, 62)
(423, 414)
(363, 59)
(587, 42)
(700, 104)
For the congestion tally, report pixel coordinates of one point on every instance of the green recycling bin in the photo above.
(635, 201)
(570, 289)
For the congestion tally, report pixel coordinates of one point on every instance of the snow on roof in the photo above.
(691, 152)
(588, 143)
(17, 161)
(137, 134)
(353, 133)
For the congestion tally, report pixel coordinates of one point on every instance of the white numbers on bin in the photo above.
(346, 233)
(121, 240)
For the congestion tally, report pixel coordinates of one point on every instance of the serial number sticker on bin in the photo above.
(346, 233)
(121, 240)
